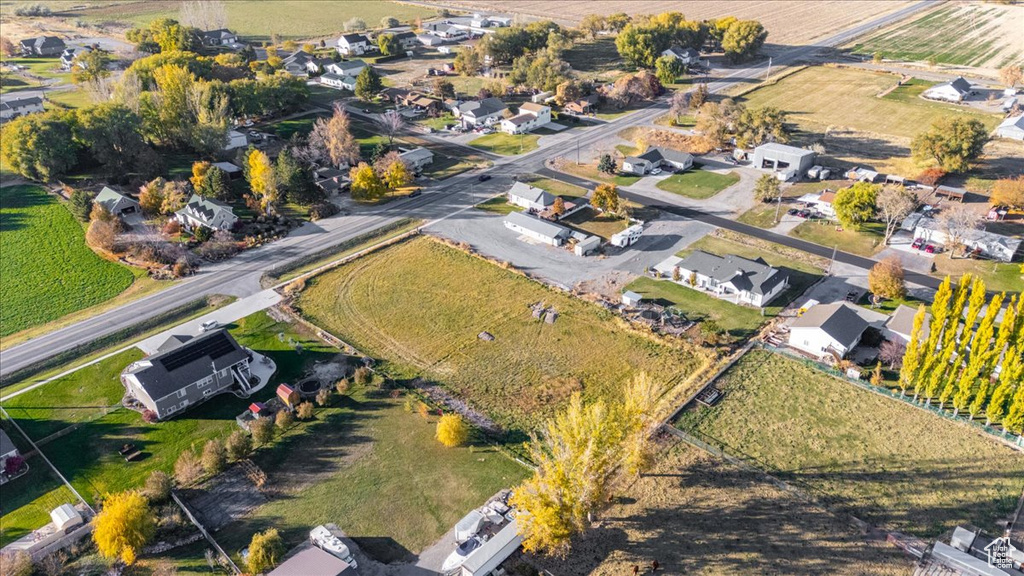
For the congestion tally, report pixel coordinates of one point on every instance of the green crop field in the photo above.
(258, 19)
(876, 458)
(420, 306)
(963, 34)
(47, 269)
(819, 97)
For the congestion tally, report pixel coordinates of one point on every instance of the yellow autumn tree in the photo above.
(397, 175)
(200, 170)
(366, 184)
(262, 181)
(265, 550)
(123, 526)
(452, 430)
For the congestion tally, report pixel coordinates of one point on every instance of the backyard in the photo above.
(738, 321)
(48, 270)
(863, 454)
(429, 329)
(698, 184)
(592, 221)
(697, 514)
(28, 500)
(506, 144)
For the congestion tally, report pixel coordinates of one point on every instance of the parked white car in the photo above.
(209, 325)
(655, 171)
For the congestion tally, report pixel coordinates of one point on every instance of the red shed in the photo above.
(257, 409)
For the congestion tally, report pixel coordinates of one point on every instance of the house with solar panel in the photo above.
(186, 370)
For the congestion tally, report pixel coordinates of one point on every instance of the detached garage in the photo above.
(779, 157)
(116, 203)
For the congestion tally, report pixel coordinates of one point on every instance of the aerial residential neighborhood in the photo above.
(494, 288)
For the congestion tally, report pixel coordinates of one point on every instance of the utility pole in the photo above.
(577, 150)
(828, 272)
(778, 207)
(769, 74)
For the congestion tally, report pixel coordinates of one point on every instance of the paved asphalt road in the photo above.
(240, 276)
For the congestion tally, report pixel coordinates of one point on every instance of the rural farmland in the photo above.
(875, 458)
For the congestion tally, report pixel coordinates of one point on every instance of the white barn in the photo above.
(1012, 128)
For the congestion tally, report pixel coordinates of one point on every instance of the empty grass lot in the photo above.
(47, 269)
(299, 125)
(698, 184)
(498, 205)
(819, 97)
(865, 241)
(429, 328)
(28, 500)
(700, 515)
(738, 321)
(506, 144)
(365, 462)
(257, 20)
(876, 458)
(559, 188)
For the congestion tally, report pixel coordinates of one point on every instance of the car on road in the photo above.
(415, 193)
(917, 243)
(655, 171)
(792, 211)
(483, 177)
(209, 325)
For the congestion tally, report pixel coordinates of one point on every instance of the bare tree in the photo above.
(892, 352)
(128, 91)
(204, 14)
(957, 222)
(679, 104)
(331, 139)
(894, 204)
(390, 123)
(101, 89)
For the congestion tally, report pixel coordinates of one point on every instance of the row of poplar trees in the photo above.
(954, 359)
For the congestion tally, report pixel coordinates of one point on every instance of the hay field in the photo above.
(965, 34)
(789, 22)
(873, 457)
(420, 305)
(697, 514)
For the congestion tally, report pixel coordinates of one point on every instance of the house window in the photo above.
(181, 393)
(208, 392)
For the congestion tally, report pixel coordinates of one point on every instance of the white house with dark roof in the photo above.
(345, 67)
(657, 157)
(67, 57)
(1012, 127)
(988, 244)
(200, 211)
(531, 116)
(219, 37)
(954, 91)
(827, 329)
(354, 44)
(116, 203)
(728, 277)
(297, 63)
(481, 112)
(337, 82)
(186, 371)
(529, 197)
(12, 107)
(536, 229)
(42, 46)
(688, 56)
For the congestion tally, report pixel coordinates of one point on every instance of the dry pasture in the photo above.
(789, 22)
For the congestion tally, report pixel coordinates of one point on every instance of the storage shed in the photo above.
(775, 157)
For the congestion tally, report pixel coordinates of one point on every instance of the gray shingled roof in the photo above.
(531, 193)
(839, 320)
(754, 276)
(6, 445)
(659, 153)
(482, 107)
(537, 225)
(168, 371)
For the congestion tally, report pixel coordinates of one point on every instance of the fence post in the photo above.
(203, 531)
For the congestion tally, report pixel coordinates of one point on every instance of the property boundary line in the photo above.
(202, 530)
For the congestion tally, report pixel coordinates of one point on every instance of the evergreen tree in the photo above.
(80, 204)
(368, 84)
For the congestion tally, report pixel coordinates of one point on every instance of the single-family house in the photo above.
(345, 67)
(7, 450)
(728, 277)
(407, 39)
(316, 65)
(297, 63)
(657, 157)
(200, 211)
(529, 197)
(232, 170)
(1012, 127)
(481, 112)
(331, 180)
(338, 82)
(354, 44)
(219, 37)
(67, 57)
(537, 229)
(183, 374)
(687, 56)
(585, 105)
(987, 244)
(446, 31)
(820, 201)
(954, 91)
(12, 107)
(901, 323)
(861, 174)
(531, 116)
(235, 140)
(313, 561)
(430, 40)
(827, 329)
(116, 203)
(781, 158)
(42, 46)
(417, 158)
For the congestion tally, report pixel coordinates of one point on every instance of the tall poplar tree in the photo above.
(912, 357)
(958, 352)
(978, 361)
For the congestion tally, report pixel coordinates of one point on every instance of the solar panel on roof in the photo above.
(215, 346)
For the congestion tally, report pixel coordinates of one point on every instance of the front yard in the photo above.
(864, 454)
(698, 184)
(590, 172)
(506, 144)
(864, 242)
(498, 205)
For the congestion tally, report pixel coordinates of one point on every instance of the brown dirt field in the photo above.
(696, 514)
(789, 22)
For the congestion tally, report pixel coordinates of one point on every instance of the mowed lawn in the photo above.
(819, 97)
(420, 306)
(697, 514)
(865, 241)
(28, 500)
(258, 19)
(876, 458)
(698, 184)
(506, 144)
(375, 469)
(47, 269)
